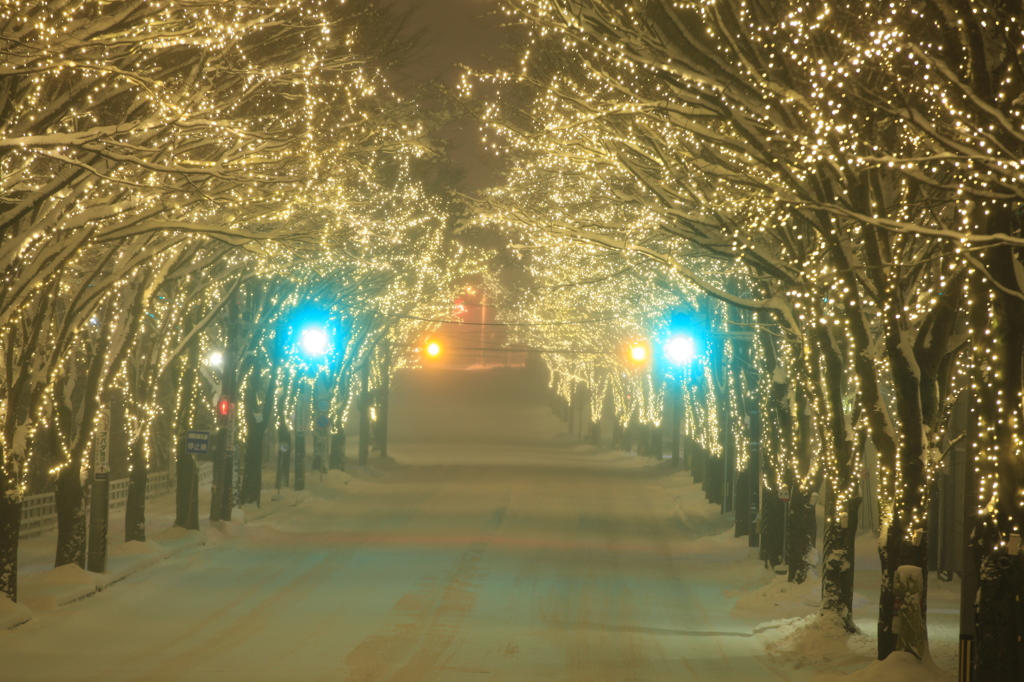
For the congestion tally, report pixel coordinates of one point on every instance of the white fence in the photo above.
(39, 512)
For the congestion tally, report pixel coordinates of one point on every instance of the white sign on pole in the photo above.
(102, 463)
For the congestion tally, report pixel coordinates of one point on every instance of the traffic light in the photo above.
(314, 341)
(637, 353)
(312, 337)
(680, 349)
(681, 343)
(224, 406)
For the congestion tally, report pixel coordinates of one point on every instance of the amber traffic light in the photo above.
(432, 349)
(637, 353)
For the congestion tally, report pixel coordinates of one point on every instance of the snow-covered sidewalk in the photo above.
(800, 640)
(43, 588)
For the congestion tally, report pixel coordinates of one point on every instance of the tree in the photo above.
(136, 131)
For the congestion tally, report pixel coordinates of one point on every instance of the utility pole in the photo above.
(385, 390)
(301, 424)
(322, 390)
(754, 480)
(677, 415)
(968, 567)
(224, 449)
(99, 509)
(364, 414)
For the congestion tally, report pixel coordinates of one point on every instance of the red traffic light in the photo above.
(224, 406)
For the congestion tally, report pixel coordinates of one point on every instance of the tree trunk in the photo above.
(696, 458)
(69, 498)
(186, 514)
(643, 444)
(252, 468)
(676, 412)
(570, 412)
(284, 456)
(364, 415)
(629, 433)
(838, 561)
(300, 458)
(255, 442)
(998, 654)
(135, 505)
(338, 448)
(773, 528)
(384, 396)
(10, 525)
(742, 503)
(754, 480)
(888, 557)
(222, 490)
(803, 533)
(186, 502)
(999, 648)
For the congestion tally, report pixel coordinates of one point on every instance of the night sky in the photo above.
(457, 32)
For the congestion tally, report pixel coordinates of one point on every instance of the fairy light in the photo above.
(771, 166)
(281, 156)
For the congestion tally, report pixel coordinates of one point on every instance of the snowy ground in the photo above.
(504, 552)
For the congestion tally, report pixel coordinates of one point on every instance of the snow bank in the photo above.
(900, 666)
(820, 640)
(12, 614)
(781, 598)
(52, 589)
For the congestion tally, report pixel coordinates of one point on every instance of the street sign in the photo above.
(322, 422)
(198, 442)
(102, 463)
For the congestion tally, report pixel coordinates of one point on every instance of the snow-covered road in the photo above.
(459, 563)
(492, 547)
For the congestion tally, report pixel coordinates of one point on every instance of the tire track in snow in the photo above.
(430, 621)
(236, 630)
(240, 629)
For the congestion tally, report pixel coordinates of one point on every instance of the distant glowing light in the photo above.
(680, 349)
(216, 359)
(433, 349)
(638, 353)
(314, 341)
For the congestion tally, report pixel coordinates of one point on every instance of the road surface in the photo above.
(471, 559)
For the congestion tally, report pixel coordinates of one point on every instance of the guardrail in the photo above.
(39, 512)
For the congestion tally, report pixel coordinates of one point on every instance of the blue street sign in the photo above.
(198, 442)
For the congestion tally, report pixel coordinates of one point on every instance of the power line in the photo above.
(513, 324)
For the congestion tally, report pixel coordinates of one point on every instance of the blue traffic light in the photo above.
(680, 349)
(680, 343)
(314, 341)
(312, 337)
